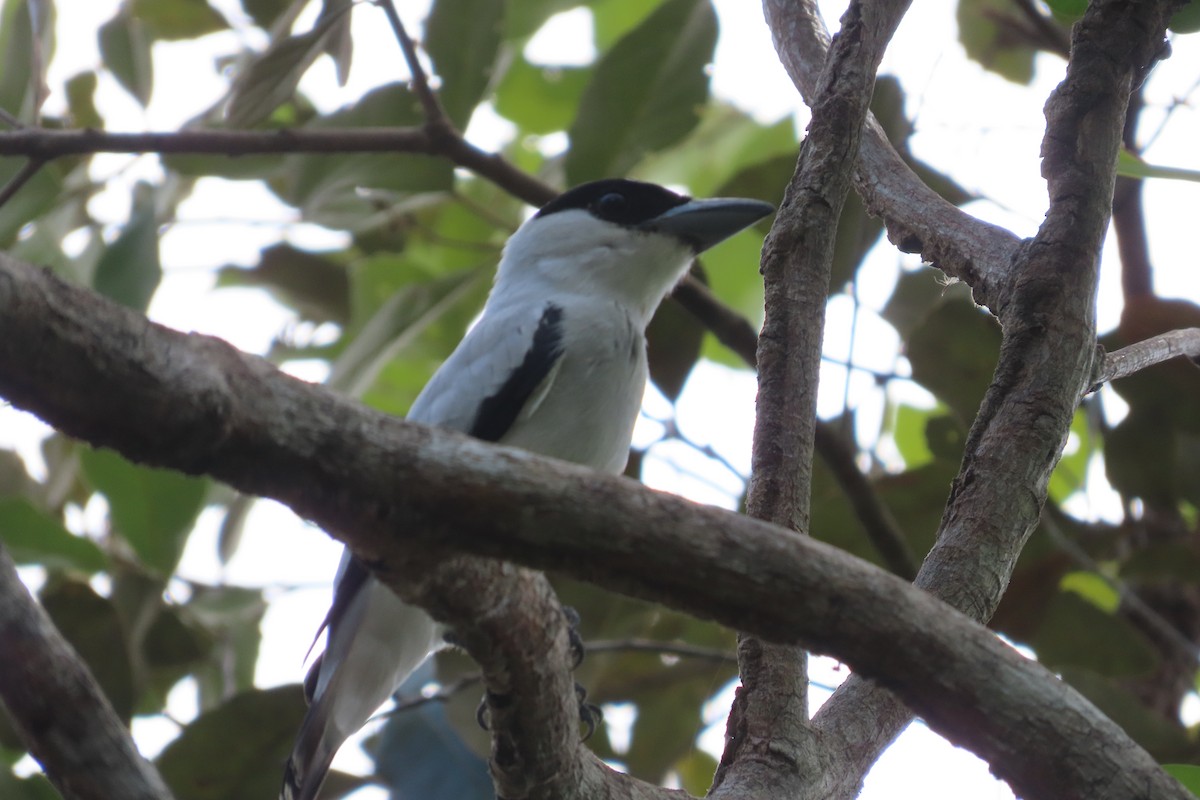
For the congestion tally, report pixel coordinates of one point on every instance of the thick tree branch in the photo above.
(768, 726)
(400, 494)
(59, 710)
(1046, 306)
(918, 220)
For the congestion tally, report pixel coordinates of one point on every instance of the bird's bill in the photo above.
(704, 223)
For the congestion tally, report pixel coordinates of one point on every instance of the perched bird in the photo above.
(556, 365)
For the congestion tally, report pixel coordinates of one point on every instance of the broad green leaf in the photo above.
(266, 12)
(336, 191)
(152, 509)
(612, 19)
(36, 198)
(524, 18)
(985, 31)
(125, 48)
(130, 271)
(315, 286)
(645, 93)
(673, 343)
(1075, 633)
(908, 431)
(540, 99)
(339, 45)
(395, 326)
(272, 77)
(1132, 166)
(462, 38)
(81, 101)
(35, 787)
(178, 19)
(263, 723)
(1094, 589)
(233, 616)
(26, 44)
(92, 626)
(1067, 11)
(953, 354)
(1165, 739)
(1071, 471)
(1186, 19)
(1187, 774)
(33, 537)
(726, 142)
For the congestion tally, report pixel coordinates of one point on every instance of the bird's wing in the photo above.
(497, 375)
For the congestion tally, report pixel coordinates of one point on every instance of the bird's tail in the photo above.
(311, 756)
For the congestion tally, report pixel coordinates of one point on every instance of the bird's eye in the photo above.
(610, 206)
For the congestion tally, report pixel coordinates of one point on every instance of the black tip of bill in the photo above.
(704, 223)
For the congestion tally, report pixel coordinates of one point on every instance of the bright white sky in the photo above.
(984, 130)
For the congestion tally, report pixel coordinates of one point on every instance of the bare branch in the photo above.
(434, 113)
(59, 710)
(401, 495)
(769, 722)
(918, 220)
(1146, 353)
(27, 171)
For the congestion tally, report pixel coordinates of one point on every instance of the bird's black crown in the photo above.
(617, 200)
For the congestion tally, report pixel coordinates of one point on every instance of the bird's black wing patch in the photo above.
(499, 410)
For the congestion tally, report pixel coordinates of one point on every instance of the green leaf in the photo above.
(1067, 11)
(1187, 774)
(315, 286)
(33, 537)
(1075, 633)
(523, 19)
(22, 49)
(953, 354)
(1186, 19)
(1094, 589)
(125, 48)
(249, 737)
(540, 99)
(35, 787)
(726, 142)
(336, 191)
(271, 78)
(93, 627)
(1132, 166)
(908, 431)
(396, 325)
(673, 343)
(987, 30)
(81, 101)
(178, 19)
(612, 19)
(130, 271)
(646, 91)
(266, 12)
(1071, 471)
(462, 37)
(152, 509)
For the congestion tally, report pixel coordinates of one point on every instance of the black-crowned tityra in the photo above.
(556, 365)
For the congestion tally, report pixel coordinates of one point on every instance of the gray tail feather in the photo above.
(310, 759)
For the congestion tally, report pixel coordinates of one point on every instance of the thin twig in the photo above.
(11, 121)
(434, 113)
(27, 171)
(1146, 353)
